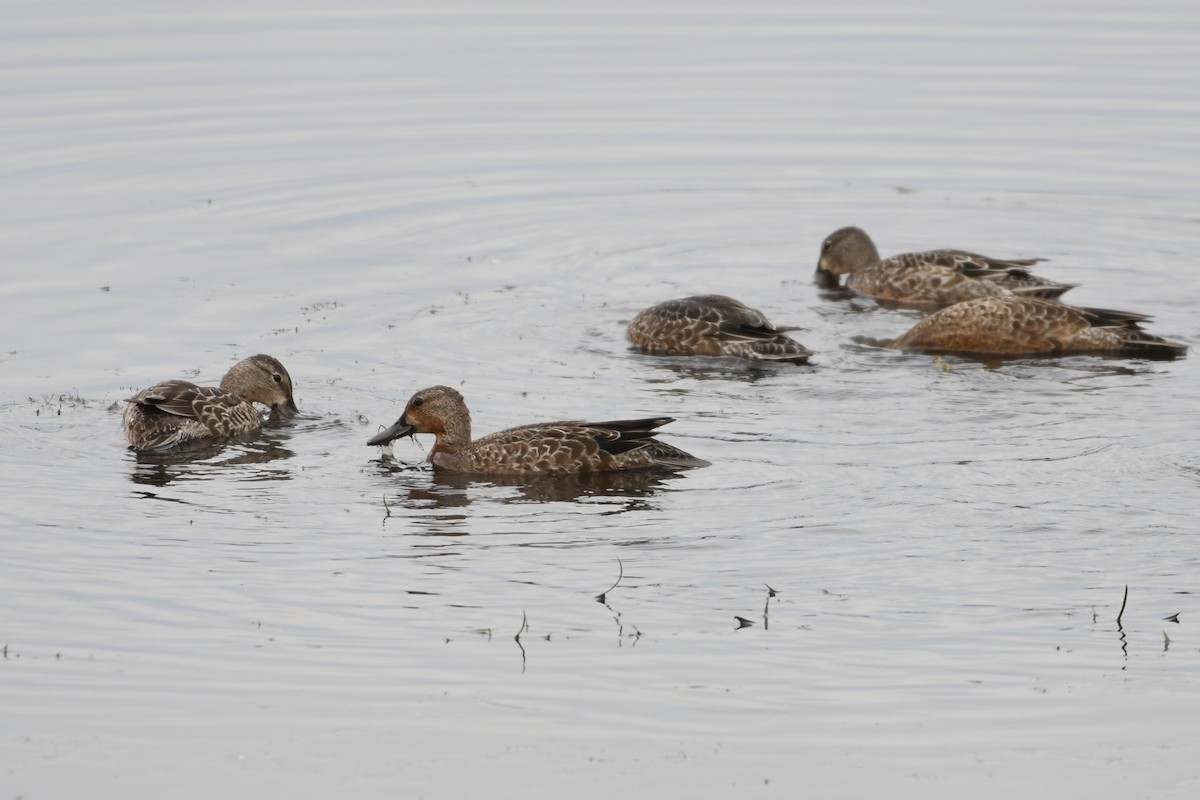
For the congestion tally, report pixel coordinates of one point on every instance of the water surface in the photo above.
(390, 196)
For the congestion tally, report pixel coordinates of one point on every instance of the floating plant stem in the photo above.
(621, 574)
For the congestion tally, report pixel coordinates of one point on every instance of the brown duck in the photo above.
(1016, 326)
(713, 325)
(548, 448)
(175, 412)
(930, 279)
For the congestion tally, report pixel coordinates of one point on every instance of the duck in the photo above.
(713, 325)
(175, 412)
(931, 279)
(1025, 326)
(548, 448)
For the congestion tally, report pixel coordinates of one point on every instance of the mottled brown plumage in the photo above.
(548, 448)
(713, 325)
(175, 412)
(1012, 326)
(930, 279)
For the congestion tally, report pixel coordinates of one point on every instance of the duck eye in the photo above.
(418, 401)
(278, 378)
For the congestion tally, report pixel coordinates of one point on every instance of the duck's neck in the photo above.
(455, 436)
(865, 256)
(236, 379)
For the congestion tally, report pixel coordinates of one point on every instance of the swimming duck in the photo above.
(931, 279)
(713, 325)
(549, 448)
(175, 412)
(1022, 326)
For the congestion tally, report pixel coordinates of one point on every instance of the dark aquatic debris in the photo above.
(743, 622)
(1173, 618)
(767, 607)
(1124, 600)
(524, 627)
(600, 598)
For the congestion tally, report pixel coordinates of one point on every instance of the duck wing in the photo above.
(184, 399)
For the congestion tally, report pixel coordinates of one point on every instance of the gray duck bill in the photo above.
(287, 410)
(398, 430)
(825, 279)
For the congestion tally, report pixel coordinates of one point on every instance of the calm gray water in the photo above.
(391, 195)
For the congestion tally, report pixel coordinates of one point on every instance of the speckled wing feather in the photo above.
(184, 399)
(176, 411)
(1025, 326)
(944, 277)
(1011, 273)
(962, 259)
(712, 325)
(572, 447)
(747, 325)
(933, 278)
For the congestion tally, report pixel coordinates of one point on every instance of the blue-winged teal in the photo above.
(932, 279)
(1016, 326)
(175, 412)
(549, 448)
(713, 325)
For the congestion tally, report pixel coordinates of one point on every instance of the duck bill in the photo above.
(287, 410)
(825, 279)
(401, 428)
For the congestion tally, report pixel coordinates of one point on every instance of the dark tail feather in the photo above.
(631, 433)
(1049, 291)
(1137, 340)
(1157, 348)
(635, 425)
(1111, 318)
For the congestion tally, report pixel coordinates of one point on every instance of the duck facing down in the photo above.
(1012, 326)
(176, 412)
(929, 279)
(548, 448)
(713, 325)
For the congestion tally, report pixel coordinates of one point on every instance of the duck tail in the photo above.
(1049, 291)
(1156, 347)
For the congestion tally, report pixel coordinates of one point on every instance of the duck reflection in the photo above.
(198, 460)
(1078, 368)
(425, 488)
(633, 485)
(717, 368)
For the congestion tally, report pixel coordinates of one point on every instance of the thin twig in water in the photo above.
(600, 597)
(524, 627)
(1124, 600)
